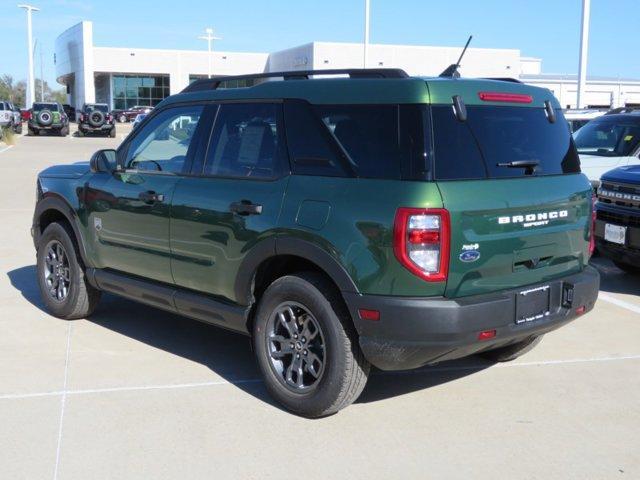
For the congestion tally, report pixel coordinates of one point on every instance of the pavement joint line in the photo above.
(9, 147)
(63, 400)
(177, 386)
(620, 303)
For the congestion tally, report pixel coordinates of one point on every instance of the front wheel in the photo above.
(513, 351)
(306, 346)
(64, 288)
(122, 118)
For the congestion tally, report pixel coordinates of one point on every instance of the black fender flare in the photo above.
(288, 245)
(53, 201)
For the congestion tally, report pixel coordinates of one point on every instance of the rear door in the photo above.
(233, 201)
(511, 226)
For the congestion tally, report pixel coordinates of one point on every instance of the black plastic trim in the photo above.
(191, 304)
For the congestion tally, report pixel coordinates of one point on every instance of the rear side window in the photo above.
(367, 141)
(246, 142)
(493, 136)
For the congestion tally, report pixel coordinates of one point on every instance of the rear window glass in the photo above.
(494, 136)
(99, 108)
(382, 141)
(609, 137)
(46, 106)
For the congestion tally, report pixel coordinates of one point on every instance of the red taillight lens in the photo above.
(505, 97)
(486, 335)
(421, 239)
(109, 118)
(592, 226)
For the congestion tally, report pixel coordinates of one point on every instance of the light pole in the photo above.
(366, 32)
(30, 79)
(209, 37)
(584, 51)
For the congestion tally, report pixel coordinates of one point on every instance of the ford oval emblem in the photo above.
(469, 256)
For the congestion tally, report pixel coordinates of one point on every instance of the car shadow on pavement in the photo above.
(614, 280)
(229, 354)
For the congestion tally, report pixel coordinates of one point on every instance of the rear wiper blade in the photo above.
(520, 164)
(529, 165)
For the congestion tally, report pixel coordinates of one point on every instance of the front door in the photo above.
(232, 202)
(128, 212)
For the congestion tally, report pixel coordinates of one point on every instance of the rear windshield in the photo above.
(99, 108)
(609, 137)
(45, 106)
(493, 137)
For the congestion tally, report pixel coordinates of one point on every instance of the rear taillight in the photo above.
(109, 117)
(592, 226)
(421, 240)
(505, 97)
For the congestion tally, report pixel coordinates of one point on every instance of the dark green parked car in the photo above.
(48, 117)
(369, 219)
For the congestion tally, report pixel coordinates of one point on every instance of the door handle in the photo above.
(245, 207)
(151, 197)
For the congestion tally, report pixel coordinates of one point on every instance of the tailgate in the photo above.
(508, 233)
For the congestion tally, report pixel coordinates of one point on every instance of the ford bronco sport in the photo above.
(48, 117)
(378, 219)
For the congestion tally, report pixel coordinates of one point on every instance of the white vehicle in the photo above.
(608, 142)
(6, 114)
(578, 118)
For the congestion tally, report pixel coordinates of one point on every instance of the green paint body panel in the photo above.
(192, 240)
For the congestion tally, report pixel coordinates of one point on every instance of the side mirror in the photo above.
(103, 161)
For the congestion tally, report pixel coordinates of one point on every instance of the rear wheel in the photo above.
(64, 288)
(513, 351)
(122, 118)
(627, 267)
(80, 133)
(112, 132)
(306, 348)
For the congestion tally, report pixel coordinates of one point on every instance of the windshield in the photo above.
(501, 142)
(45, 106)
(609, 137)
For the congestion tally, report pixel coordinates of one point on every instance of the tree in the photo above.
(16, 92)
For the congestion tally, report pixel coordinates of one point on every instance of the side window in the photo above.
(246, 141)
(309, 143)
(163, 144)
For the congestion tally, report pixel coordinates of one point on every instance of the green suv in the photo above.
(48, 117)
(342, 221)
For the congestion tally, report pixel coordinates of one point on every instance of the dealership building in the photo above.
(124, 77)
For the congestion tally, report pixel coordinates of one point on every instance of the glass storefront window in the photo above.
(132, 90)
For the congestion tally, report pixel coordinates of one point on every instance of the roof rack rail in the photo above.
(504, 79)
(615, 111)
(214, 82)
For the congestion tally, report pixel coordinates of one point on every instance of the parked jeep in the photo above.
(48, 117)
(378, 219)
(95, 118)
(10, 117)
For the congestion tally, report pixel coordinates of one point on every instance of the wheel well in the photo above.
(50, 216)
(275, 267)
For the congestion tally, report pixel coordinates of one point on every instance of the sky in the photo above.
(548, 29)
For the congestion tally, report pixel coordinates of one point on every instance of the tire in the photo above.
(64, 131)
(80, 133)
(80, 299)
(340, 377)
(627, 268)
(18, 129)
(30, 132)
(122, 118)
(513, 351)
(112, 132)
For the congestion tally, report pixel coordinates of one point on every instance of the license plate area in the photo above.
(533, 304)
(615, 233)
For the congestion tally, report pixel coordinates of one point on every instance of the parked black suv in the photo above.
(95, 118)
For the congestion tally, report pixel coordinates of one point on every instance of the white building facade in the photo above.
(124, 77)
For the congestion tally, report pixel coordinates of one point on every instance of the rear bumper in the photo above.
(102, 128)
(413, 332)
